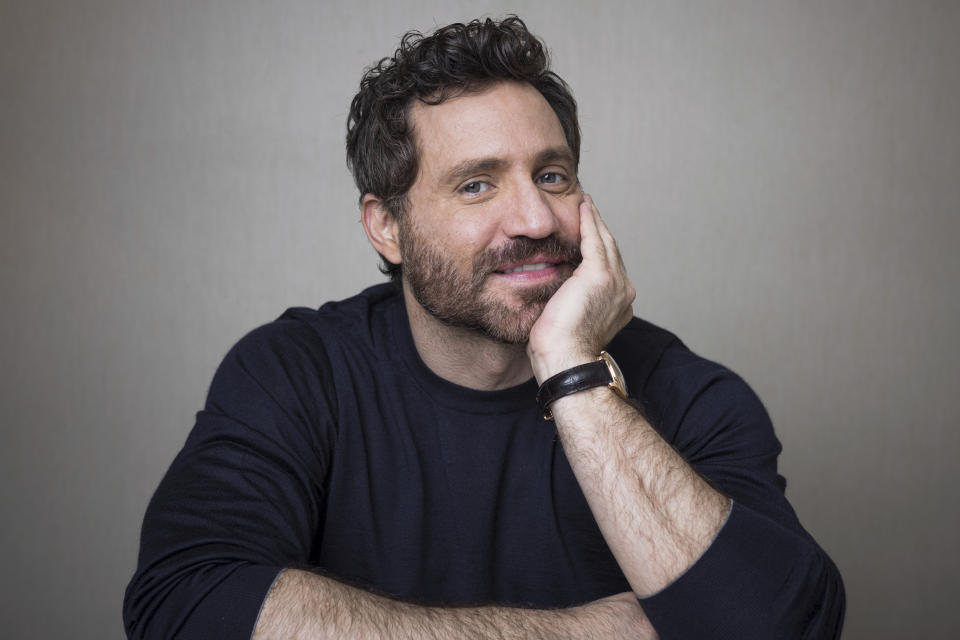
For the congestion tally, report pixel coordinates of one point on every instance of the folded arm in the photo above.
(702, 565)
(240, 505)
(303, 605)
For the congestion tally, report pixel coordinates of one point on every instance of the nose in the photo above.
(531, 214)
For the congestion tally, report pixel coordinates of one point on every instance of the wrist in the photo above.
(601, 371)
(548, 364)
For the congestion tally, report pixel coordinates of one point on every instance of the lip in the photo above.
(538, 259)
(548, 272)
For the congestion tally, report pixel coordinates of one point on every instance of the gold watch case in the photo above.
(617, 382)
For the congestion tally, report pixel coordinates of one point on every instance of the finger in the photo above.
(592, 245)
(609, 242)
(601, 225)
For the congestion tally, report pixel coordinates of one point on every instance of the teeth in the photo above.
(528, 267)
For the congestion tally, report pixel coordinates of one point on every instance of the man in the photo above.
(383, 467)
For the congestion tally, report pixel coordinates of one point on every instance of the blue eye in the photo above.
(551, 178)
(477, 186)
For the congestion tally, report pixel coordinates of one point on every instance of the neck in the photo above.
(463, 356)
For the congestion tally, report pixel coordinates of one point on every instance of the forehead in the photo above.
(508, 120)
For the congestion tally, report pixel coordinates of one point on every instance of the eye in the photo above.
(475, 187)
(551, 177)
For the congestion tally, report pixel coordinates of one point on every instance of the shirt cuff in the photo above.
(736, 588)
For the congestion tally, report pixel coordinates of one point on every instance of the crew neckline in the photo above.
(442, 391)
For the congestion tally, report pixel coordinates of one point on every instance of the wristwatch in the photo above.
(604, 371)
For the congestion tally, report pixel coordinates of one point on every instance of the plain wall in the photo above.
(782, 178)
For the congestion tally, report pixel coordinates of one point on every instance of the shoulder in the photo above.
(300, 350)
(689, 398)
(638, 349)
(667, 364)
(300, 331)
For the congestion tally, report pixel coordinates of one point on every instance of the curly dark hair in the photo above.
(455, 59)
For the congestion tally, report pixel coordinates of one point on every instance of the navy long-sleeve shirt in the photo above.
(326, 442)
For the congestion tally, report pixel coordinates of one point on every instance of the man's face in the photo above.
(491, 229)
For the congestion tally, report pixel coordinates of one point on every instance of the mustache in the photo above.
(523, 248)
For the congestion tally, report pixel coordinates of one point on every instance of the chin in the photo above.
(509, 319)
(511, 325)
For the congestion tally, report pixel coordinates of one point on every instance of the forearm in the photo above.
(303, 605)
(656, 513)
(757, 576)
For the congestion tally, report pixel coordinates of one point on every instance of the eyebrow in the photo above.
(474, 166)
(561, 155)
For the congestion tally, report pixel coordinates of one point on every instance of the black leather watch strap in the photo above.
(572, 380)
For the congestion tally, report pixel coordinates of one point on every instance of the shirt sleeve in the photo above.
(243, 499)
(763, 576)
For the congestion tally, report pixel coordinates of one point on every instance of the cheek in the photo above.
(569, 216)
(471, 234)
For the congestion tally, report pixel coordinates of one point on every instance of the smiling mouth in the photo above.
(537, 266)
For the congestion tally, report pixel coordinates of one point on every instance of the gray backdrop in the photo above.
(782, 178)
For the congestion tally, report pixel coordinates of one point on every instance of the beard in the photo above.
(461, 299)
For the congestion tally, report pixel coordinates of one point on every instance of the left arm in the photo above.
(660, 518)
(656, 513)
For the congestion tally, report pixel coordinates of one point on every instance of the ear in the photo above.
(381, 227)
